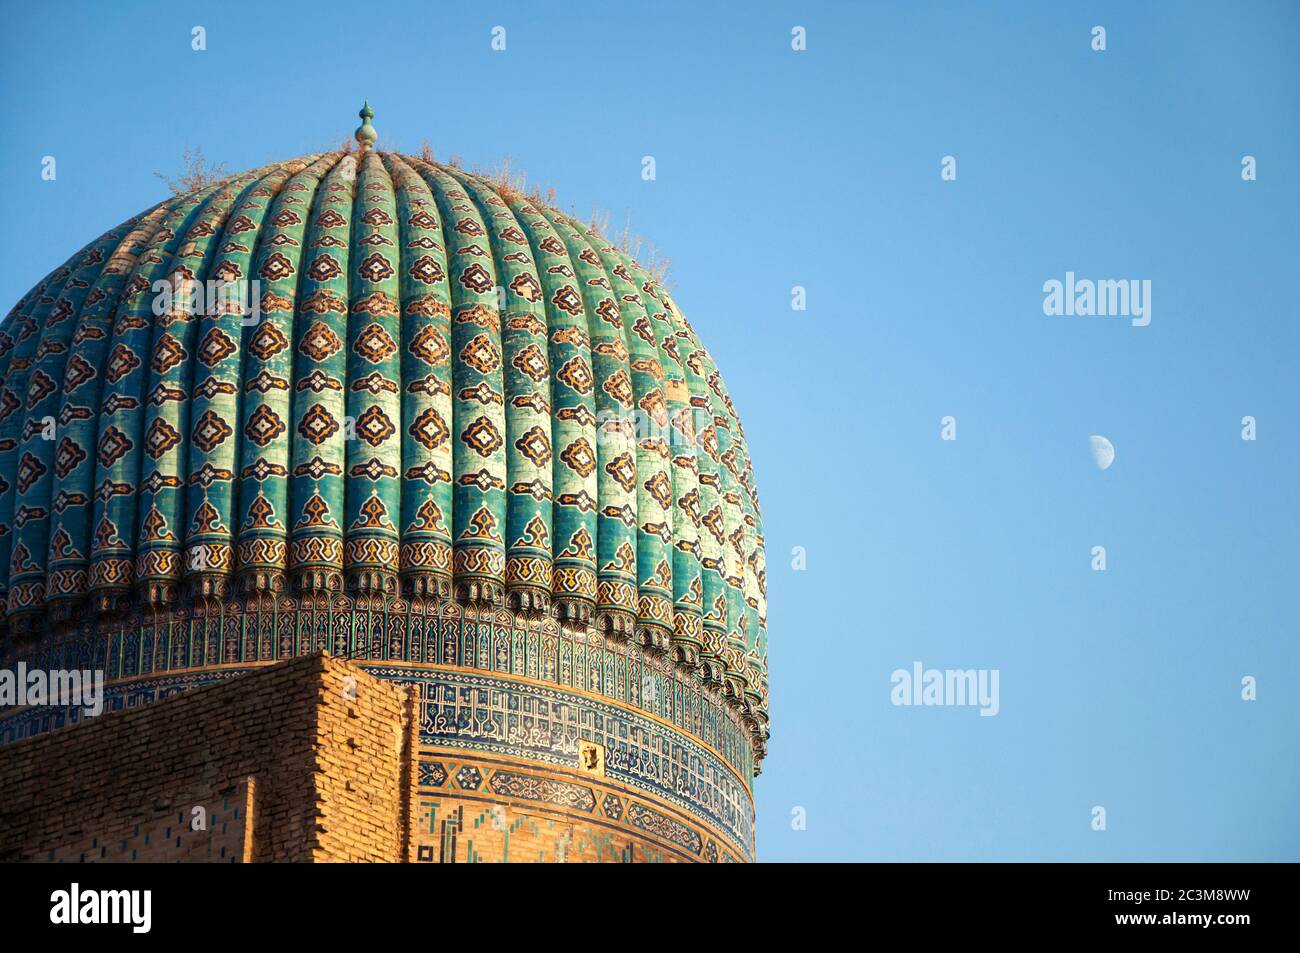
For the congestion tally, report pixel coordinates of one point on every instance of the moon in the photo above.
(1103, 451)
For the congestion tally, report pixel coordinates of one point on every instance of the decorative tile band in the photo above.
(474, 712)
(476, 810)
(138, 652)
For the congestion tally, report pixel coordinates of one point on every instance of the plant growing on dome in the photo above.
(197, 172)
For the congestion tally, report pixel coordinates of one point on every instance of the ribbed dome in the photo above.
(444, 390)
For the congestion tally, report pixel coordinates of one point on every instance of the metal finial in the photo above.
(365, 133)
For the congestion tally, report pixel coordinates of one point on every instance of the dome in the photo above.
(365, 376)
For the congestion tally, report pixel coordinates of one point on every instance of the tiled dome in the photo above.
(446, 390)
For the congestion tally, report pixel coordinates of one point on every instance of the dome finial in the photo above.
(365, 133)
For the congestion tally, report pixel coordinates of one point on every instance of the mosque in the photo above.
(406, 518)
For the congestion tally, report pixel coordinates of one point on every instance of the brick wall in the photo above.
(364, 747)
(308, 759)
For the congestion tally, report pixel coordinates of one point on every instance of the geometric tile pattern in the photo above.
(403, 413)
(525, 815)
(376, 374)
(477, 713)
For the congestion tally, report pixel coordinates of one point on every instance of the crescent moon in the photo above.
(1103, 451)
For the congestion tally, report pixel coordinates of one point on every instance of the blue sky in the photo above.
(822, 169)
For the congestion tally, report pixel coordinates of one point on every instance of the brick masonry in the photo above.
(306, 760)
